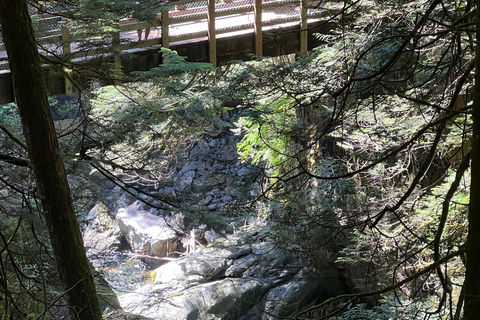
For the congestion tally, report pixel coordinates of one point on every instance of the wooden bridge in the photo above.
(202, 30)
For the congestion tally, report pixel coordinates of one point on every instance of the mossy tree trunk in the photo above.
(42, 145)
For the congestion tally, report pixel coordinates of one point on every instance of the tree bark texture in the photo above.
(46, 162)
(472, 275)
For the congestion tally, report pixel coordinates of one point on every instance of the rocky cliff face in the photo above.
(233, 276)
(240, 276)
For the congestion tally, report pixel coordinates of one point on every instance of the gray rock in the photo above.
(238, 268)
(168, 192)
(222, 299)
(146, 233)
(229, 190)
(215, 143)
(189, 166)
(206, 201)
(243, 171)
(227, 198)
(210, 236)
(218, 166)
(204, 265)
(123, 201)
(202, 147)
(234, 278)
(101, 234)
(186, 179)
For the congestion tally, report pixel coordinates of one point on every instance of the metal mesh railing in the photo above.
(32, 10)
(229, 7)
(48, 10)
(46, 26)
(280, 12)
(234, 16)
(4, 64)
(187, 19)
(323, 9)
(188, 10)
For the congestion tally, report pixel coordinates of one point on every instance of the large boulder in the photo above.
(236, 278)
(101, 234)
(146, 233)
(221, 299)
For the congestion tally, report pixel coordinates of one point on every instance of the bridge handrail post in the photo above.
(117, 61)
(211, 32)
(258, 28)
(165, 17)
(303, 27)
(66, 49)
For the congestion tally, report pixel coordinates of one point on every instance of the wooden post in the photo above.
(117, 61)
(303, 28)
(164, 27)
(258, 28)
(66, 41)
(211, 33)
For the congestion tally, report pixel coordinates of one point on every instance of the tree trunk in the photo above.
(472, 275)
(42, 145)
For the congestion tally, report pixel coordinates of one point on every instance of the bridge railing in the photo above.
(182, 20)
